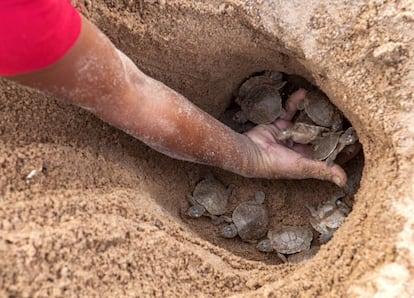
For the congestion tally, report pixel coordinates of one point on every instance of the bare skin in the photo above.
(98, 77)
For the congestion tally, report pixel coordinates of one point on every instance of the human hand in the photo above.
(275, 160)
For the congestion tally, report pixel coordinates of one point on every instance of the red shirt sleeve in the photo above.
(35, 34)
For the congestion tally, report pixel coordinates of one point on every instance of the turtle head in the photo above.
(284, 134)
(259, 197)
(229, 231)
(265, 246)
(196, 211)
(349, 136)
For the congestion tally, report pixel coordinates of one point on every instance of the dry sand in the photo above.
(104, 215)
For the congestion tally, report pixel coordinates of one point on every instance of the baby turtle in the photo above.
(349, 137)
(250, 220)
(259, 98)
(328, 216)
(324, 146)
(210, 198)
(331, 144)
(321, 110)
(287, 240)
(301, 133)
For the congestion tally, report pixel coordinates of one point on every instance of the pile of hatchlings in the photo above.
(317, 123)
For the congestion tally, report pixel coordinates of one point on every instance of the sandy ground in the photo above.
(104, 215)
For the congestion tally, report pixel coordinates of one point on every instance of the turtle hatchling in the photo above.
(328, 216)
(349, 137)
(329, 145)
(259, 98)
(287, 240)
(321, 110)
(301, 133)
(250, 220)
(210, 198)
(323, 147)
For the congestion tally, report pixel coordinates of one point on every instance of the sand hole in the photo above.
(286, 199)
(208, 70)
(104, 181)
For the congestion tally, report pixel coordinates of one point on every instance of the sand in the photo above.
(104, 215)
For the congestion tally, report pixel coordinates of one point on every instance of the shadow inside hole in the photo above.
(286, 199)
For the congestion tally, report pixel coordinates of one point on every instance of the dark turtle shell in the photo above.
(251, 219)
(322, 111)
(323, 147)
(260, 100)
(212, 195)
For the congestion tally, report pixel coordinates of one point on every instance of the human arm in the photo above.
(96, 76)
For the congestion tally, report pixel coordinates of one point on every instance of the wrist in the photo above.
(252, 159)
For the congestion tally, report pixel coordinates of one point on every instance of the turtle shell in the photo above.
(260, 100)
(251, 220)
(321, 110)
(329, 215)
(324, 146)
(212, 195)
(290, 240)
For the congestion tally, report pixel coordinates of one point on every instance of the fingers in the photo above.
(307, 168)
(281, 124)
(296, 163)
(292, 104)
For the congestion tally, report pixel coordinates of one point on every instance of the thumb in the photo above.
(320, 170)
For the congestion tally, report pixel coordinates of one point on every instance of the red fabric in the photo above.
(35, 34)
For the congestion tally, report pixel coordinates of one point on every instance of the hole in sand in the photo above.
(104, 181)
(304, 203)
(212, 85)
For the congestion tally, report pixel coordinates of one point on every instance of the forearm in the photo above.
(96, 76)
(171, 124)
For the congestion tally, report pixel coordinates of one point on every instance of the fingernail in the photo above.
(337, 180)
